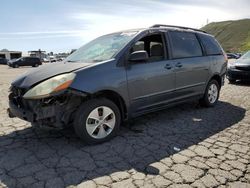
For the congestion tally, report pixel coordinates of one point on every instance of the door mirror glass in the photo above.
(138, 56)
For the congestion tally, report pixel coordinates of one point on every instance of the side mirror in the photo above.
(138, 56)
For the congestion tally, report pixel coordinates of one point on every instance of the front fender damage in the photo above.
(56, 111)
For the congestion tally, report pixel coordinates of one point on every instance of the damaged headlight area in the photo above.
(50, 86)
(54, 111)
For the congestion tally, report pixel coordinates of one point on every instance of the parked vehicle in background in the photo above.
(25, 61)
(45, 60)
(232, 56)
(3, 61)
(120, 76)
(60, 59)
(52, 60)
(240, 69)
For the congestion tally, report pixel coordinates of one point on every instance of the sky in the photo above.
(62, 25)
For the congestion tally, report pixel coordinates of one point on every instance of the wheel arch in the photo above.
(218, 78)
(114, 97)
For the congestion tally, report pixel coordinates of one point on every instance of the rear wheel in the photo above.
(97, 120)
(36, 65)
(211, 95)
(16, 66)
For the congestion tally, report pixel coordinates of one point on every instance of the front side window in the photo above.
(139, 46)
(102, 48)
(184, 45)
(153, 45)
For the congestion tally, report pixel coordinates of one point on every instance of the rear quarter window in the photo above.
(185, 45)
(211, 45)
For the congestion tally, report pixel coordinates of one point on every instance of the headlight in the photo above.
(50, 86)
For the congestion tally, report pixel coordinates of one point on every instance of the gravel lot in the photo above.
(185, 146)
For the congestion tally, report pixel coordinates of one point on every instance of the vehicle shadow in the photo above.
(34, 158)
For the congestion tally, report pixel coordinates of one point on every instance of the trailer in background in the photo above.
(10, 54)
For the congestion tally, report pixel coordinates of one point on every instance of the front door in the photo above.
(151, 84)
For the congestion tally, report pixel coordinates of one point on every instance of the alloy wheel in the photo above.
(100, 122)
(212, 93)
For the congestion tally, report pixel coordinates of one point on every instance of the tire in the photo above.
(15, 65)
(211, 95)
(36, 65)
(232, 81)
(92, 133)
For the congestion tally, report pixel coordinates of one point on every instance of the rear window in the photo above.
(211, 46)
(185, 45)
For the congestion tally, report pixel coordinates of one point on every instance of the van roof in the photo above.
(166, 27)
(176, 27)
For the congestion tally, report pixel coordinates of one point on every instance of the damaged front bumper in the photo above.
(15, 111)
(55, 111)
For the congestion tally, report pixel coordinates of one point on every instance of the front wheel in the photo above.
(211, 95)
(97, 120)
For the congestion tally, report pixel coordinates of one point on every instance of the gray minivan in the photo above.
(120, 76)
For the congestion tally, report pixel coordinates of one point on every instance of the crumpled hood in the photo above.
(242, 62)
(46, 71)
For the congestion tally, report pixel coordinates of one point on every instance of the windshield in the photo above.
(246, 55)
(102, 48)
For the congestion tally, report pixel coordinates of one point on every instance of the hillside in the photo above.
(233, 35)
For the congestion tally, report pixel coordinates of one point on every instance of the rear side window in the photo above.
(211, 46)
(185, 45)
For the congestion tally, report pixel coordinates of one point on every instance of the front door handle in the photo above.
(168, 66)
(179, 65)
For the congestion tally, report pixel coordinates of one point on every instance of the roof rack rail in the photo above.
(174, 26)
